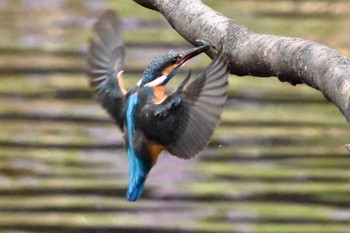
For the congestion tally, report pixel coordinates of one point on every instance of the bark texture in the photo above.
(292, 60)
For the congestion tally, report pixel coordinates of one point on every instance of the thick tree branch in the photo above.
(292, 60)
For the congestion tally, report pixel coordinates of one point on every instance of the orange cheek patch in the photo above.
(169, 69)
(154, 151)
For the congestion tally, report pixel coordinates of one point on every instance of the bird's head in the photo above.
(163, 67)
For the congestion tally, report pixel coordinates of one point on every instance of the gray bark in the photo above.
(291, 60)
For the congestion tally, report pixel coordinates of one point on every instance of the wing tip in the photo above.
(206, 104)
(105, 54)
(104, 61)
(108, 16)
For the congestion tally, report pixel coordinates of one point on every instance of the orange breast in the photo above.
(159, 94)
(155, 150)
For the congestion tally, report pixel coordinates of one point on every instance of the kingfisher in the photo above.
(153, 121)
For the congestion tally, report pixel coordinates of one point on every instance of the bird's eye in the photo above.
(174, 60)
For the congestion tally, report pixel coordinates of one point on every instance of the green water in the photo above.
(277, 162)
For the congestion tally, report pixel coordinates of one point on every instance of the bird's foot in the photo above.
(201, 42)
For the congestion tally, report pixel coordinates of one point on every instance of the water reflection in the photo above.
(277, 162)
(43, 5)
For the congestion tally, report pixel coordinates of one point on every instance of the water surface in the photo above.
(277, 162)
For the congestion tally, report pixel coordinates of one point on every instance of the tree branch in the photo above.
(292, 60)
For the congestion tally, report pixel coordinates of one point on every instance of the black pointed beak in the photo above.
(185, 56)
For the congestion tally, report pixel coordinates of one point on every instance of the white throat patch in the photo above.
(155, 82)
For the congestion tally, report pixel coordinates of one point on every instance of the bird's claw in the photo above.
(206, 42)
(203, 42)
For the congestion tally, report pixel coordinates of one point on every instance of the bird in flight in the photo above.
(152, 121)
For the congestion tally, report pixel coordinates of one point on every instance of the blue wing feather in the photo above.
(138, 166)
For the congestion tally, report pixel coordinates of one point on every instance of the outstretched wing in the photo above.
(186, 120)
(105, 60)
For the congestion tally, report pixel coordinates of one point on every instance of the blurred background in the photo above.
(277, 162)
